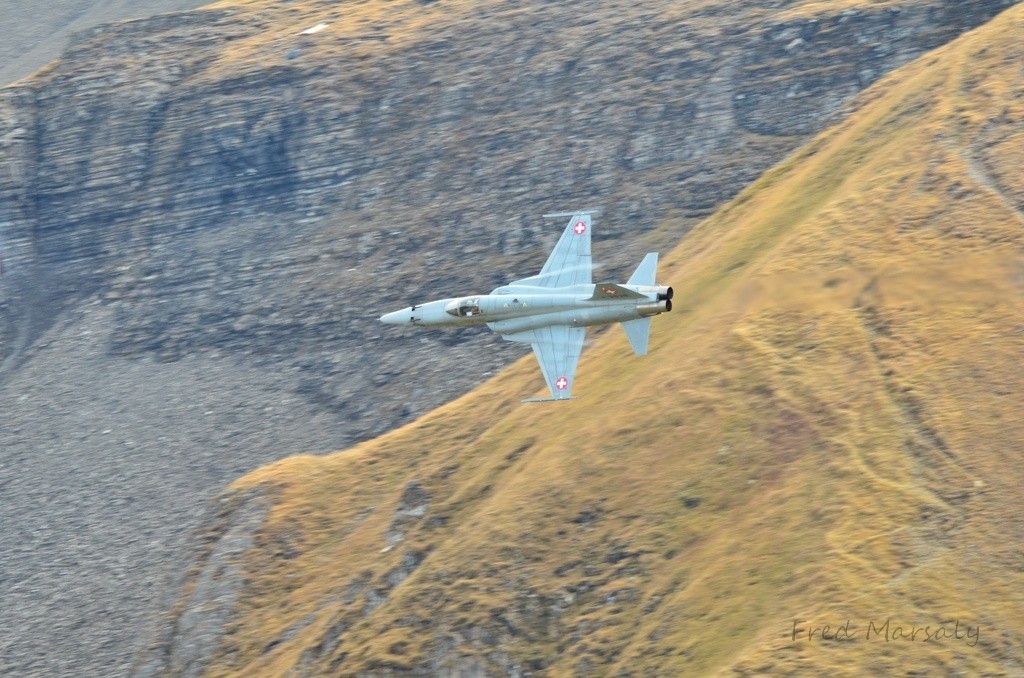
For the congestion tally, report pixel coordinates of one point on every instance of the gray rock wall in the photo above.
(128, 142)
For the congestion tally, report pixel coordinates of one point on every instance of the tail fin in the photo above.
(646, 272)
(638, 332)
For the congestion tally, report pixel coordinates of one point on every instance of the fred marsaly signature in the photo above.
(887, 631)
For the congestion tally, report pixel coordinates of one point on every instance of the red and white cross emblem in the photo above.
(580, 228)
(561, 383)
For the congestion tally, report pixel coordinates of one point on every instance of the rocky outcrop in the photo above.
(214, 580)
(227, 199)
(412, 506)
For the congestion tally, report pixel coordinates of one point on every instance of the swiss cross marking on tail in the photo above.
(561, 383)
(580, 228)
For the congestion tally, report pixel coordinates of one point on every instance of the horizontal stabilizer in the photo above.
(646, 272)
(638, 331)
(589, 210)
(545, 400)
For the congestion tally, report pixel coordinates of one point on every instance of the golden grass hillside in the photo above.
(827, 430)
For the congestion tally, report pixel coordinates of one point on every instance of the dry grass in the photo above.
(827, 428)
(814, 8)
(355, 31)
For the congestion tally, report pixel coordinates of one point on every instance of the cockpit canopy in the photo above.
(464, 308)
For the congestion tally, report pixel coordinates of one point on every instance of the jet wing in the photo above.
(558, 349)
(569, 263)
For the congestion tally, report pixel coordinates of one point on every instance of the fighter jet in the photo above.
(552, 309)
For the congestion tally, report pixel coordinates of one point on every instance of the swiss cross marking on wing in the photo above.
(580, 228)
(561, 383)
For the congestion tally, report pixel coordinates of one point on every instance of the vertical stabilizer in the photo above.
(638, 331)
(645, 272)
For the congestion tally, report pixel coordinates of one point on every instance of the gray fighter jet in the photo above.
(551, 310)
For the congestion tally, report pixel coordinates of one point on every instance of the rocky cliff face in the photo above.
(223, 198)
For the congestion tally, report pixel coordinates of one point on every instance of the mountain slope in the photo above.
(827, 429)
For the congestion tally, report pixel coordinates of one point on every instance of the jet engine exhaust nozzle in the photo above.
(654, 308)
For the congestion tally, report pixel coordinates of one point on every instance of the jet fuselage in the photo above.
(519, 308)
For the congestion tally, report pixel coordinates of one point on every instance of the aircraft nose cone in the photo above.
(396, 317)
